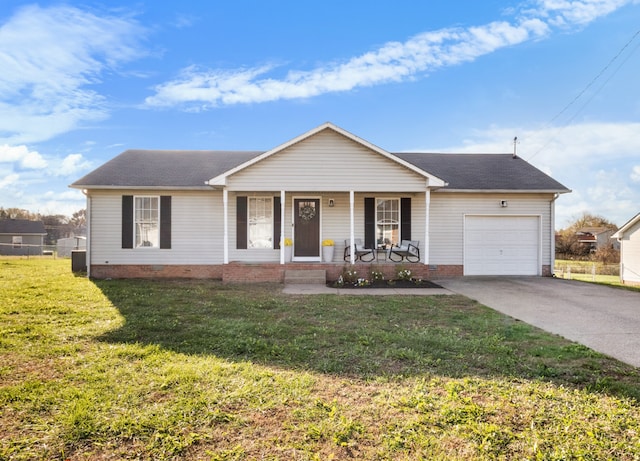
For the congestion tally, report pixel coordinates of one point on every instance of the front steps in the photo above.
(305, 277)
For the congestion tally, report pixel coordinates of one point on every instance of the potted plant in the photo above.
(328, 247)
(288, 247)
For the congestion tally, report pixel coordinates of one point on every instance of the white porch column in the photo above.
(282, 225)
(427, 205)
(552, 254)
(352, 255)
(225, 232)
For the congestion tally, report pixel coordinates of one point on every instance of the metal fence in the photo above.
(28, 251)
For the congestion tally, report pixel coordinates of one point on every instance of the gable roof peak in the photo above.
(221, 179)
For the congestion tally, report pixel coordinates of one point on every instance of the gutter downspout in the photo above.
(553, 233)
(622, 274)
(225, 232)
(88, 255)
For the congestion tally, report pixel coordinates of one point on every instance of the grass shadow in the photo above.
(361, 337)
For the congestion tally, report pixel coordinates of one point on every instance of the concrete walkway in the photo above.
(602, 318)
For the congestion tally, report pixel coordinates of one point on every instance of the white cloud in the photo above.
(198, 88)
(49, 57)
(566, 12)
(635, 173)
(22, 156)
(73, 194)
(34, 161)
(9, 180)
(72, 164)
(12, 153)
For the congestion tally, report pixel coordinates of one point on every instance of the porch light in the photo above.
(331, 203)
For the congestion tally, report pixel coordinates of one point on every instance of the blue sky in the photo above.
(82, 81)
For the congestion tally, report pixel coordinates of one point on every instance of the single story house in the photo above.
(629, 237)
(21, 237)
(221, 214)
(596, 238)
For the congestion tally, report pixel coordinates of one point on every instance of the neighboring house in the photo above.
(629, 237)
(596, 238)
(21, 237)
(65, 246)
(223, 214)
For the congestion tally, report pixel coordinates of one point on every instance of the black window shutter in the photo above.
(165, 222)
(277, 222)
(127, 221)
(405, 218)
(241, 223)
(369, 222)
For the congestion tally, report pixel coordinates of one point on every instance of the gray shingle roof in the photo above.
(190, 169)
(21, 227)
(484, 172)
(163, 168)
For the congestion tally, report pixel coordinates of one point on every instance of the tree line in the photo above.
(57, 226)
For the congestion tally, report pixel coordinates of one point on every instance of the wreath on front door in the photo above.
(307, 212)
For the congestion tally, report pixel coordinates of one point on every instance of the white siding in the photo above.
(197, 224)
(336, 225)
(196, 230)
(334, 222)
(447, 220)
(327, 162)
(630, 255)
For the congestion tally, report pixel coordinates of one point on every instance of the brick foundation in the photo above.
(237, 272)
(155, 271)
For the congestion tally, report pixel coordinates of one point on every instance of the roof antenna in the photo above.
(515, 147)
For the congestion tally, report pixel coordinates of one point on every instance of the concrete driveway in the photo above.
(605, 319)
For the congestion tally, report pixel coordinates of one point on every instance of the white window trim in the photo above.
(270, 199)
(397, 199)
(135, 222)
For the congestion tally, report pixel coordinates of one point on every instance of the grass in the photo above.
(582, 271)
(156, 370)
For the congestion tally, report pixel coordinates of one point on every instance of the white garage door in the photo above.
(502, 245)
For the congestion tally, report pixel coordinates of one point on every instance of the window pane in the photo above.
(147, 225)
(387, 221)
(260, 222)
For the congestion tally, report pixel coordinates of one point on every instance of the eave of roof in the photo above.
(501, 191)
(626, 226)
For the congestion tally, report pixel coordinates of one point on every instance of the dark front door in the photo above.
(306, 228)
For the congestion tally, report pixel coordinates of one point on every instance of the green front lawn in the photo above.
(201, 370)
